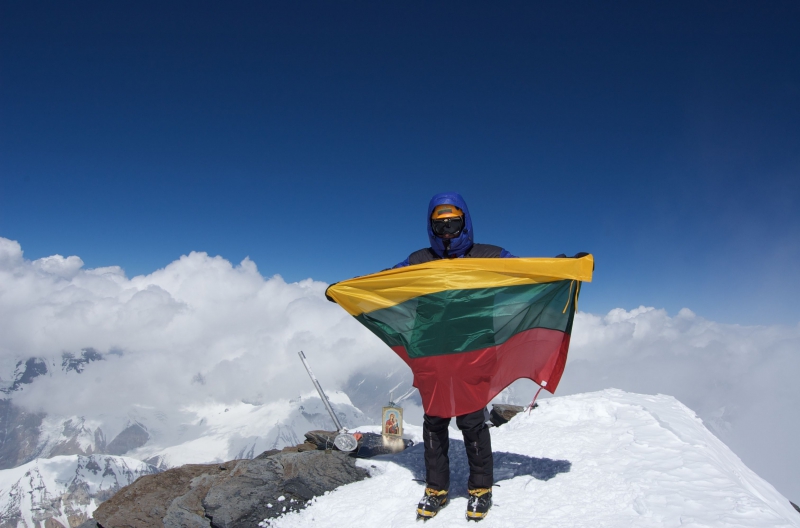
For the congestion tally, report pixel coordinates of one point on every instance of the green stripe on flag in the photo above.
(456, 321)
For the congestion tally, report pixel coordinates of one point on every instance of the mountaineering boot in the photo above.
(478, 504)
(431, 503)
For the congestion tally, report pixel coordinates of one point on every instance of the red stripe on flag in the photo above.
(456, 384)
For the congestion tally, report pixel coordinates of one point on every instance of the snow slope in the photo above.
(69, 488)
(634, 460)
(201, 433)
(216, 432)
(66, 489)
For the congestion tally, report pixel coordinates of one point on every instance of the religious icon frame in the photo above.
(386, 429)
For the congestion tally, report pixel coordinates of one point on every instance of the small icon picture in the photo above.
(392, 421)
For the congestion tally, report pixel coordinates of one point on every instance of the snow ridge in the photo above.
(636, 460)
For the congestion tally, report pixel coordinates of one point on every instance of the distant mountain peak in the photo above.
(69, 362)
(24, 373)
(27, 370)
(64, 490)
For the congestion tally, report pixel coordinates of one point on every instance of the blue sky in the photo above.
(665, 139)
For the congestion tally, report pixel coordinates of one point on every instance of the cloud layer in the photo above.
(202, 329)
(198, 329)
(741, 380)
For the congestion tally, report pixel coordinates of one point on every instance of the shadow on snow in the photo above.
(506, 466)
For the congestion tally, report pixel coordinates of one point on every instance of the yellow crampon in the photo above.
(480, 500)
(431, 503)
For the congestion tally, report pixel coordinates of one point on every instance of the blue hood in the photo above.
(459, 245)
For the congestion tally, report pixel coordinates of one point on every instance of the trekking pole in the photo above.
(322, 395)
(344, 441)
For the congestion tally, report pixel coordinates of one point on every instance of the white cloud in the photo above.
(59, 266)
(741, 380)
(203, 329)
(200, 315)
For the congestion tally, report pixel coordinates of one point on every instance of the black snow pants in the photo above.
(477, 441)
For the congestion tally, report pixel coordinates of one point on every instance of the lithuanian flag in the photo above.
(469, 327)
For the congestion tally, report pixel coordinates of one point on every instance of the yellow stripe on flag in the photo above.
(394, 286)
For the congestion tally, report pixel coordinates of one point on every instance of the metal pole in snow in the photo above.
(321, 393)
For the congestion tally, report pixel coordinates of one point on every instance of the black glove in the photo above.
(326, 292)
(577, 255)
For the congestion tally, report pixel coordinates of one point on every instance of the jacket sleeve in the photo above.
(401, 264)
(506, 254)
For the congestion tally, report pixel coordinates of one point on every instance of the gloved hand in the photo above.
(577, 255)
(326, 292)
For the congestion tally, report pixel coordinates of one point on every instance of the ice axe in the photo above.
(344, 441)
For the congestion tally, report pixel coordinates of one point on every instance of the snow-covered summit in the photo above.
(66, 489)
(634, 460)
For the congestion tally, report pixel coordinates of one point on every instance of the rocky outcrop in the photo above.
(501, 413)
(133, 436)
(19, 434)
(235, 494)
